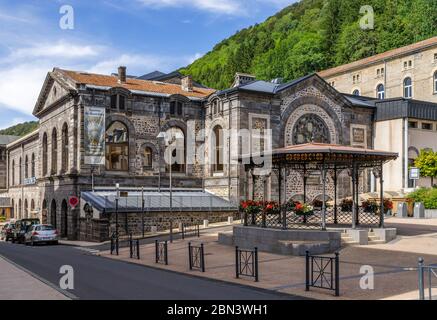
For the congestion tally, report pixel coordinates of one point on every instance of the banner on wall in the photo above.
(94, 135)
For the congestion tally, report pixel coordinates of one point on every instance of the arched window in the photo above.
(177, 148)
(12, 208)
(13, 173)
(311, 128)
(380, 91)
(118, 102)
(356, 92)
(26, 168)
(20, 213)
(53, 213)
(65, 148)
(408, 88)
(26, 209)
(33, 166)
(54, 151)
(148, 158)
(218, 149)
(20, 172)
(44, 155)
(435, 82)
(32, 208)
(117, 147)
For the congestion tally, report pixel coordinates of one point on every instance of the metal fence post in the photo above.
(183, 231)
(166, 253)
(190, 260)
(307, 271)
(131, 248)
(421, 280)
(256, 264)
(236, 262)
(337, 275)
(198, 231)
(245, 219)
(138, 249)
(263, 215)
(202, 255)
(171, 230)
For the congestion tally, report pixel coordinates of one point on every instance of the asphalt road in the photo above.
(412, 229)
(97, 278)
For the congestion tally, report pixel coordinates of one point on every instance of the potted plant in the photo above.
(271, 207)
(388, 206)
(369, 206)
(304, 209)
(346, 205)
(290, 205)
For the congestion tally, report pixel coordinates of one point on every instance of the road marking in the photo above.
(88, 250)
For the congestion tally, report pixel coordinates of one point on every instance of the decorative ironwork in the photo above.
(190, 231)
(196, 257)
(161, 252)
(246, 263)
(426, 280)
(322, 272)
(310, 128)
(114, 243)
(134, 248)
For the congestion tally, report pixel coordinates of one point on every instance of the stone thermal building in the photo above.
(101, 130)
(405, 80)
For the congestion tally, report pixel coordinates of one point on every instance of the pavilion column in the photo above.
(268, 187)
(305, 179)
(381, 182)
(335, 196)
(324, 197)
(250, 187)
(354, 177)
(357, 192)
(284, 216)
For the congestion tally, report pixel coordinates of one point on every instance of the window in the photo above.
(33, 165)
(408, 88)
(20, 175)
(65, 148)
(435, 82)
(435, 56)
(176, 107)
(13, 173)
(26, 167)
(410, 64)
(148, 158)
(380, 91)
(177, 149)
(412, 124)
(44, 155)
(54, 151)
(117, 147)
(426, 126)
(218, 152)
(356, 92)
(118, 102)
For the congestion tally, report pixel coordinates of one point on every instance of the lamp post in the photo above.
(117, 196)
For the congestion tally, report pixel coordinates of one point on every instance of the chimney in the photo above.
(242, 79)
(121, 74)
(187, 84)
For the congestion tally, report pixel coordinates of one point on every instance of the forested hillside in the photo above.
(313, 35)
(20, 129)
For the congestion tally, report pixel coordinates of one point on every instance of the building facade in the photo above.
(208, 130)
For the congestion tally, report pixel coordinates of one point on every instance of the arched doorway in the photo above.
(26, 209)
(64, 219)
(44, 212)
(53, 213)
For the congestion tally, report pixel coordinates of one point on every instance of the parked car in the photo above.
(20, 229)
(41, 233)
(6, 232)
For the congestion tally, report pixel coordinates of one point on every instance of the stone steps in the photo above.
(349, 241)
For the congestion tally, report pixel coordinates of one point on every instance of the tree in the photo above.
(427, 163)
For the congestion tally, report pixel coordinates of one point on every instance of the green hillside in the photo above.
(313, 35)
(20, 129)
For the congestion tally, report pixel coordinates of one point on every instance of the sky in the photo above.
(100, 35)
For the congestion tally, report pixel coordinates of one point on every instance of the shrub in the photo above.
(428, 196)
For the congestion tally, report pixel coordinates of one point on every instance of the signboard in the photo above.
(414, 173)
(358, 135)
(94, 135)
(73, 201)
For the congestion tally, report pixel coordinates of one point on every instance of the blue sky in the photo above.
(144, 35)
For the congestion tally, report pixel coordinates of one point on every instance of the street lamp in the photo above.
(177, 136)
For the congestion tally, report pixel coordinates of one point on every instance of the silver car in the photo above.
(39, 233)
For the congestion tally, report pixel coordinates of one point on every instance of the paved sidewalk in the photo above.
(16, 284)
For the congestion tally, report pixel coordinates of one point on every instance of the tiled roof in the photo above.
(135, 84)
(380, 57)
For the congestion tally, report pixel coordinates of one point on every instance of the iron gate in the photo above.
(322, 272)
(190, 231)
(246, 263)
(196, 257)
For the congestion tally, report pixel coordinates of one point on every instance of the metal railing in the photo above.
(114, 244)
(322, 272)
(161, 252)
(426, 276)
(134, 248)
(196, 257)
(192, 230)
(246, 263)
